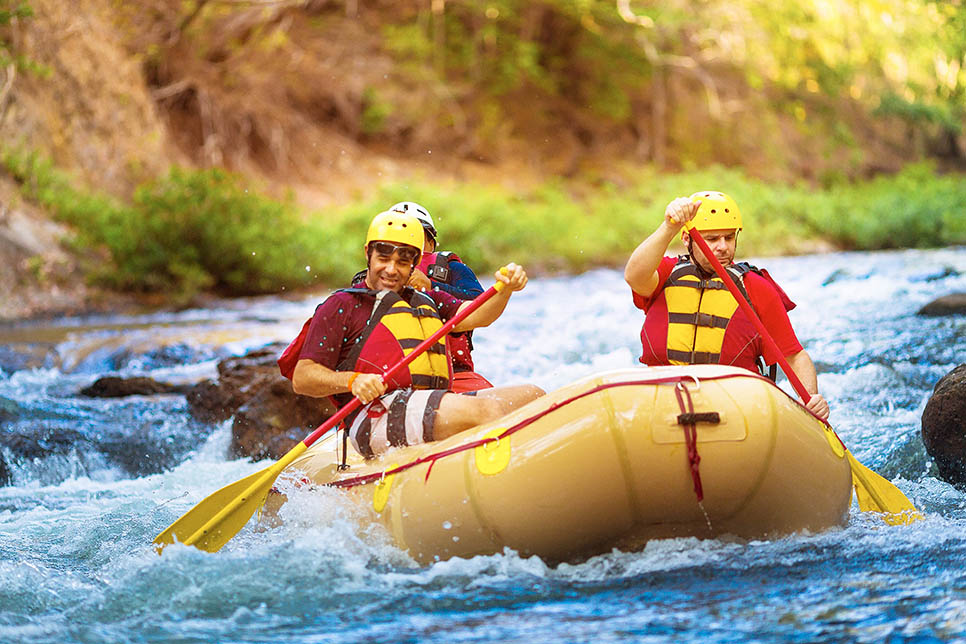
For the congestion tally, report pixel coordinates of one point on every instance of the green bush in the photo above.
(914, 209)
(187, 232)
(206, 230)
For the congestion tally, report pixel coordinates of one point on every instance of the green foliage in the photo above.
(549, 228)
(205, 229)
(12, 9)
(194, 231)
(915, 208)
(188, 232)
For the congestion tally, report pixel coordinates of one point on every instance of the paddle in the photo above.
(213, 522)
(875, 493)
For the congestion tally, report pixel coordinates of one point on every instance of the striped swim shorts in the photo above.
(400, 417)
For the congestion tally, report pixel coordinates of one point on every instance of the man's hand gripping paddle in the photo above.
(875, 493)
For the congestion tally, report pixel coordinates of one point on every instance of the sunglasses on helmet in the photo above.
(407, 253)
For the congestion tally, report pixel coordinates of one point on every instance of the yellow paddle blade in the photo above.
(213, 522)
(876, 494)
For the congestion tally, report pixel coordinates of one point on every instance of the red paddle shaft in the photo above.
(750, 312)
(351, 406)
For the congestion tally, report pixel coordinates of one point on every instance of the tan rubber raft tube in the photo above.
(604, 463)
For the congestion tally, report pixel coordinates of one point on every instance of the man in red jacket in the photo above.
(691, 317)
(356, 334)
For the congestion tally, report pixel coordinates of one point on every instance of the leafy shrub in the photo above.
(187, 232)
(915, 208)
(204, 230)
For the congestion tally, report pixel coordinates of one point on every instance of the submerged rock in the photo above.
(115, 387)
(944, 426)
(952, 304)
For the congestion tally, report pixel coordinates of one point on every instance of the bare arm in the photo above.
(801, 363)
(640, 273)
(515, 279)
(312, 379)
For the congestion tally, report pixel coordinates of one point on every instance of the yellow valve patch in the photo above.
(380, 496)
(834, 441)
(493, 457)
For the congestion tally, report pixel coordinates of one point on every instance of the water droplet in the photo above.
(447, 525)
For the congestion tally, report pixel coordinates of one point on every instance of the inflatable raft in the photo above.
(610, 461)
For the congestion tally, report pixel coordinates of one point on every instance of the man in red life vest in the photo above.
(445, 271)
(358, 333)
(691, 317)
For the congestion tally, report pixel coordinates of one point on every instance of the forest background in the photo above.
(179, 149)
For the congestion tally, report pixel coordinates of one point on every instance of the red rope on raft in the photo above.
(432, 458)
(690, 436)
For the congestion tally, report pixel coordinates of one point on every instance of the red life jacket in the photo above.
(398, 323)
(696, 320)
(436, 267)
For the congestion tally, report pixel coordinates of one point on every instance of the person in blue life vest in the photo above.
(691, 317)
(445, 271)
(357, 333)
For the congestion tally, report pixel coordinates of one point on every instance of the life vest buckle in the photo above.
(438, 273)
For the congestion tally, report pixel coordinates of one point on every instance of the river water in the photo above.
(90, 482)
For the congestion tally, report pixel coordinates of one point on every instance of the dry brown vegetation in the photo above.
(281, 89)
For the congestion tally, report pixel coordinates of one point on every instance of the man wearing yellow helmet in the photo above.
(691, 317)
(358, 333)
(444, 271)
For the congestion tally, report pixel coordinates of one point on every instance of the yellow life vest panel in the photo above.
(699, 314)
(398, 324)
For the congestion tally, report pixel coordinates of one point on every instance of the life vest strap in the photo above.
(693, 357)
(699, 319)
(421, 381)
(412, 343)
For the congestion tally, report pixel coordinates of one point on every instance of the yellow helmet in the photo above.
(717, 211)
(398, 227)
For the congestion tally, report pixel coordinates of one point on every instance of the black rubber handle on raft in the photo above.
(711, 417)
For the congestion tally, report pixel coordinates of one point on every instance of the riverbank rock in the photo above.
(269, 418)
(944, 426)
(953, 304)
